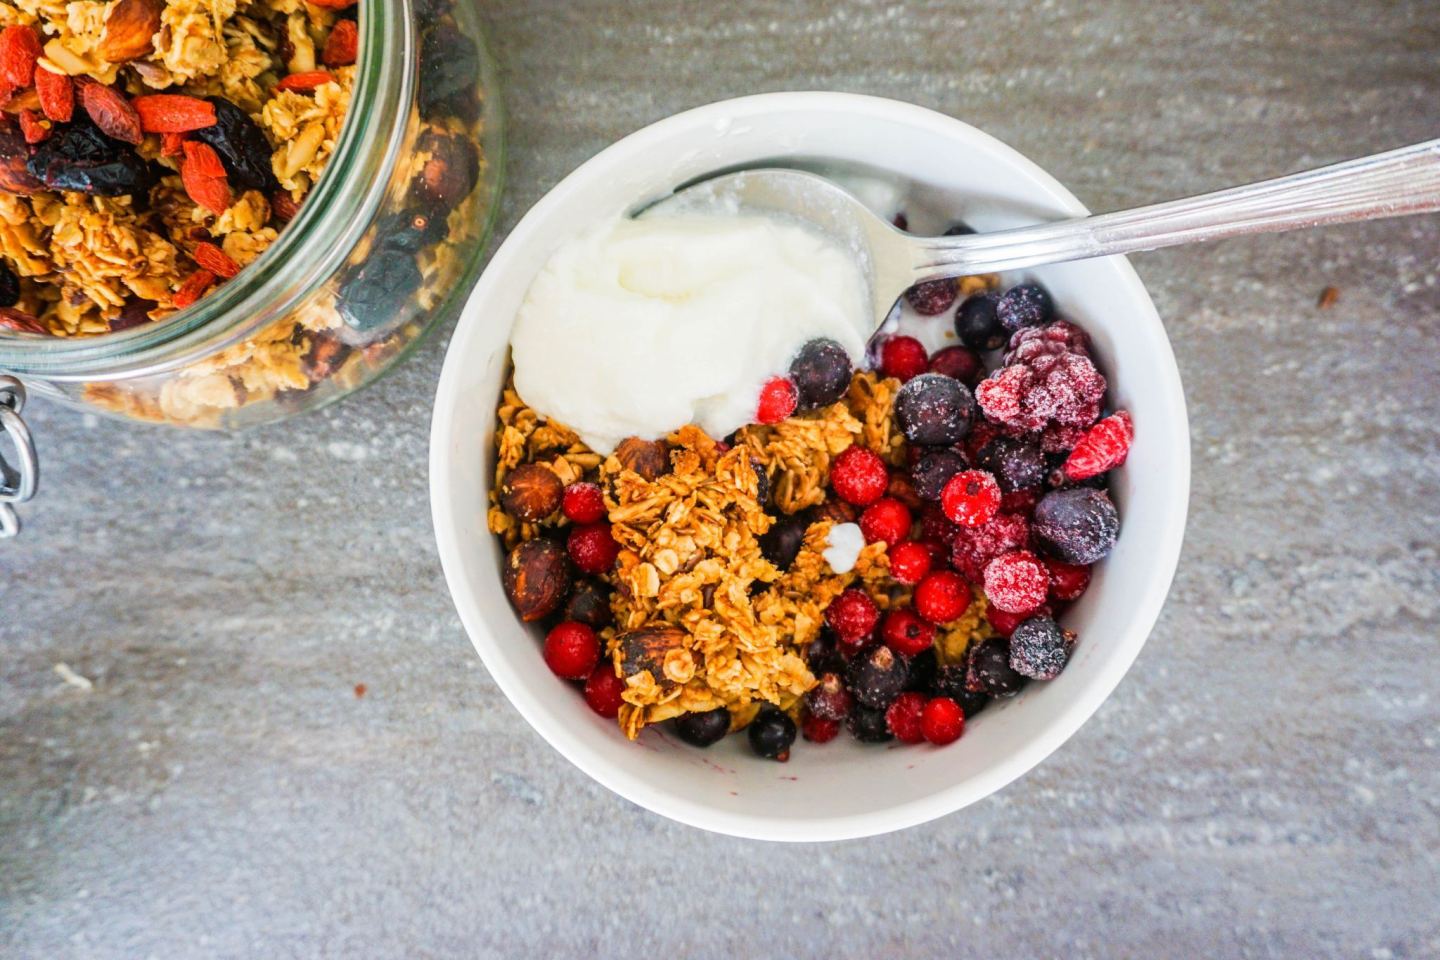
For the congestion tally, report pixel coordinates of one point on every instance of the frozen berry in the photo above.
(592, 548)
(935, 527)
(903, 358)
(852, 615)
(778, 400)
(924, 666)
(1017, 464)
(977, 324)
(973, 548)
(1104, 447)
(1068, 581)
(903, 717)
(1005, 622)
(1063, 390)
(589, 603)
(900, 488)
(584, 503)
(1020, 501)
(935, 410)
(819, 729)
(909, 562)
(859, 476)
(603, 690)
(703, 729)
(571, 651)
(885, 520)
(1078, 525)
(771, 733)
(781, 543)
(961, 363)
(942, 597)
(877, 678)
(971, 498)
(933, 297)
(829, 698)
(933, 470)
(907, 633)
(821, 372)
(867, 724)
(988, 669)
(822, 656)
(942, 721)
(1026, 305)
(1039, 649)
(1052, 339)
(950, 682)
(1016, 582)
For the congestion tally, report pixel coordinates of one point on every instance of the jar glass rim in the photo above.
(305, 254)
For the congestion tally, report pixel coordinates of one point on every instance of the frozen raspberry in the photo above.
(903, 358)
(907, 633)
(1078, 525)
(1016, 582)
(868, 725)
(1068, 581)
(934, 410)
(971, 498)
(592, 548)
(977, 325)
(703, 729)
(778, 400)
(571, 651)
(603, 690)
(974, 547)
(950, 682)
(1017, 464)
(852, 615)
(821, 372)
(933, 470)
(903, 717)
(819, 730)
(886, 519)
(942, 721)
(584, 503)
(1064, 389)
(829, 698)
(988, 669)
(858, 476)
(1058, 438)
(935, 527)
(1039, 649)
(771, 733)
(961, 363)
(933, 297)
(877, 678)
(1050, 340)
(942, 597)
(1026, 305)
(1104, 447)
(909, 562)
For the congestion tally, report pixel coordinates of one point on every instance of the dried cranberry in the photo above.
(78, 158)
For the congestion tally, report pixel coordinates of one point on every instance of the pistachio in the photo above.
(537, 577)
(531, 492)
(649, 458)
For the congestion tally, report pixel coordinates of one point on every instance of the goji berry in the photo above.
(343, 45)
(173, 113)
(193, 288)
(111, 112)
(305, 81)
(19, 49)
(203, 175)
(57, 95)
(204, 159)
(172, 144)
(215, 260)
(34, 128)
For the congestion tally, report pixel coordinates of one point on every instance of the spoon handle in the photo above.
(1391, 184)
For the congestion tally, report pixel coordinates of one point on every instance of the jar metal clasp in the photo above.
(18, 481)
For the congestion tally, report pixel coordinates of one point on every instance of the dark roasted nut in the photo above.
(130, 30)
(531, 492)
(326, 355)
(645, 649)
(451, 171)
(537, 577)
(649, 458)
(589, 604)
(835, 510)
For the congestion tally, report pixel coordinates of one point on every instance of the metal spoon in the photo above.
(1392, 184)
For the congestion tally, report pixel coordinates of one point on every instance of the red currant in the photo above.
(907, 633)
(1017, 582)
(903, 358)
(592, 548)
(910, 561)
(778, 400)
(971, 498)
(904, 717)
(572, 650)
(942, 597)
(819, 729)
(852, 615)
(603, 690)
(886, 519)
(1068, 581)
(859, 476)
(584, 503)
(942, 721)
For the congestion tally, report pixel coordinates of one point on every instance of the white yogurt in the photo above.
(843, 546)
(638, 327)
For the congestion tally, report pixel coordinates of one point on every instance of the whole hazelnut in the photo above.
(531, 492)
(537, 578)
(649, 458)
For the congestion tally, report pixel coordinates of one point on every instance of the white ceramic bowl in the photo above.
(842, 789)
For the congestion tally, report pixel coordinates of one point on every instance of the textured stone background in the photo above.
(1266, 782)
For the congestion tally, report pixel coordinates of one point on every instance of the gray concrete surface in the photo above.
(1265, 783)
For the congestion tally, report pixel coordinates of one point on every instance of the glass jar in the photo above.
(384, 247)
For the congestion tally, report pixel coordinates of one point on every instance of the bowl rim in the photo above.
(628, 782)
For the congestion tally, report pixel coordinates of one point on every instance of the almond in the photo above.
(130, 30)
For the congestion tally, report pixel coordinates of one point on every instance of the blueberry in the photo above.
(878, 677)
(823, 656)
(821, 373)
(771, 733)
(868, 725)
(703, 729)
(1039, 649)
(781, 543)
(378, 292)
(1026, 305)
(977, 325)
(589, 604)
(950, 682)
(988, 669)
(933, 470)
(1016, 464)
(9, 286)
(1077, 525)
(924, 668)
(934, 409)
